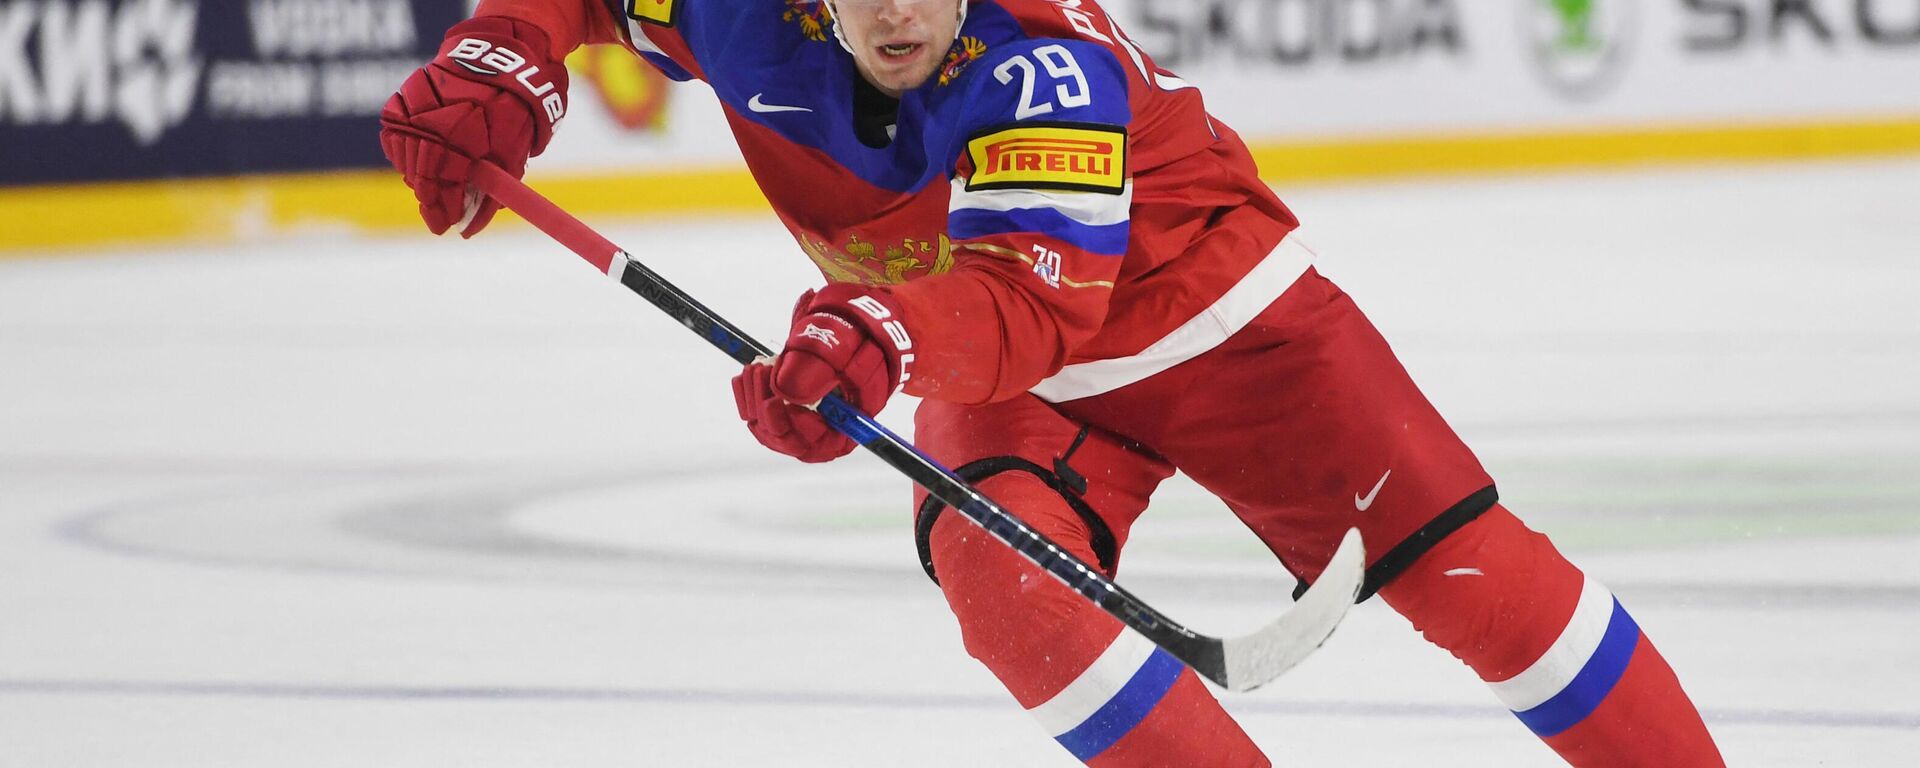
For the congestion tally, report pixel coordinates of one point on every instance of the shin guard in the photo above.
(1109, 696)
(1555, 645)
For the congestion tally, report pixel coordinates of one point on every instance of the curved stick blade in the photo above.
(1256, 659)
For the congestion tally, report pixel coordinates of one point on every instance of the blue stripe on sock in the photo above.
(1595, 680)
(1127, 708)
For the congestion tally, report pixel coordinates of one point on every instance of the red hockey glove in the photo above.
(494, 93)
(845, 337)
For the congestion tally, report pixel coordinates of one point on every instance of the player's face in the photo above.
(898, 44)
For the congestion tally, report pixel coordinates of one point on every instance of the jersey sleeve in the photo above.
(1039, 218)
(652, 29)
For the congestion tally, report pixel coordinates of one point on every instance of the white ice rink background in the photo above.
(353, 501)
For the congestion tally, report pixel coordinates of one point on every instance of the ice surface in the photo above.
(415, 502)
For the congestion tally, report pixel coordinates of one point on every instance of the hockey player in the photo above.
(1028, 224)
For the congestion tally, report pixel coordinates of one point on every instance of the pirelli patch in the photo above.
(655, 11)
(1070, 156)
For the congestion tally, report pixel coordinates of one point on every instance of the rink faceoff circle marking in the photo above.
(701, 527)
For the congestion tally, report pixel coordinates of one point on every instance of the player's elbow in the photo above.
(986, 338)
(1041, 339)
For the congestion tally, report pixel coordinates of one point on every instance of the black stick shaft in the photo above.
(1205, 654)
(939, 481)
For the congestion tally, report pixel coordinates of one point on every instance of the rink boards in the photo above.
(1321, 89)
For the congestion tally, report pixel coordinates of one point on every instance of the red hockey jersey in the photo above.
(1054, 212)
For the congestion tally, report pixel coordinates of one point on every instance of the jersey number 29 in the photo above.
(1060, 66)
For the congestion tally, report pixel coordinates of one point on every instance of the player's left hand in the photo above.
(845, 337)
(495, 93)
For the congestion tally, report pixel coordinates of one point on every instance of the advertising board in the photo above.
(96, 90)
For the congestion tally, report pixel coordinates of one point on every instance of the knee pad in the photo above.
(1103, 692)
(1062, 480)
(1010, 612)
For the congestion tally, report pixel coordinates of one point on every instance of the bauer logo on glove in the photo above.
(896, 332)
(503, 61)
(459, 109)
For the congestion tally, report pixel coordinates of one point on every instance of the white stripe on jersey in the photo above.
(637, 32)
(1168, 82)
(1241, 304)
(1094, 209)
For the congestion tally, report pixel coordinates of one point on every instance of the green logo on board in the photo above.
(1579, 47)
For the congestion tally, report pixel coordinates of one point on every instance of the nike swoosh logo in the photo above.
(757, 105)
(1362, 502)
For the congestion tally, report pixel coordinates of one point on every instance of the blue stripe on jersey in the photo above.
(1108, 240)
(667, 66)
(1595, 680)
(749, 48)
(1127, 708)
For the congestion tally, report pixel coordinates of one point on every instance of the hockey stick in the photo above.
(1238, 663)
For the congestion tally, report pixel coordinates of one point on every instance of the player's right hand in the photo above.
(845, 337)
(494, 93)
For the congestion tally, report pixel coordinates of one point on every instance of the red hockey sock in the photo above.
(1555, 645)
(1105, 693)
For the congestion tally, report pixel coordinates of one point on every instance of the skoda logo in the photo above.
(1579, 48)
